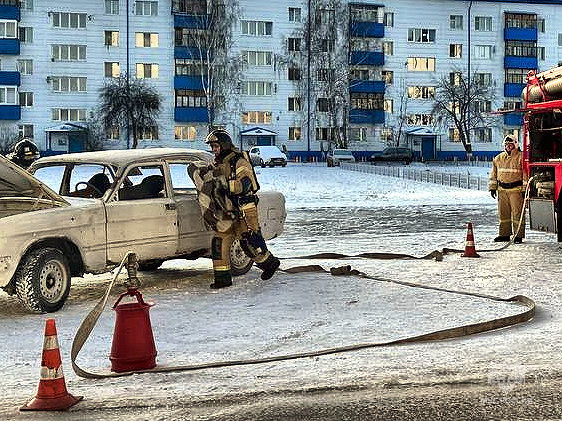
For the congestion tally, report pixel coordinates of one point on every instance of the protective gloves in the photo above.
(493, 194)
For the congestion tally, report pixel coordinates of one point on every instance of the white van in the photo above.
(267, 156)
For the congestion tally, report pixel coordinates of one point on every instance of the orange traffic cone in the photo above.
(51, 394)
(470, 249)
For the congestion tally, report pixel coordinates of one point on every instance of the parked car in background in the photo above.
(81, 213)
(337, 156)
(267, 156)
(394, 155)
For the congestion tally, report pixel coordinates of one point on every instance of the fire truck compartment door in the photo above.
(541, 215)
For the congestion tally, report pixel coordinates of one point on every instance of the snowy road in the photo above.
(329, 210)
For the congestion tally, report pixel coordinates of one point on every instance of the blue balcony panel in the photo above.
(188, 82)
(513, 89)
(357, 115)
(191, 21)
(520, 34)
(10, 78)
(366, 29)
(9, 46)
(189, 52)
(372, 58)
(10, 112)
(514, 62)
(191, 114)
(513, 119)
(9, 12)
(368, 86)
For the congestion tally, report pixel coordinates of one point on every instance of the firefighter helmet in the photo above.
(510, 139)
(221, 137)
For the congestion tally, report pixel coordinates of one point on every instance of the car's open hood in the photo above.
(17, 182)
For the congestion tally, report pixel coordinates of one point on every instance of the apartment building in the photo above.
(363, 73)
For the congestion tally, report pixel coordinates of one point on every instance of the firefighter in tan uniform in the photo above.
(508, 182)
(235, 173)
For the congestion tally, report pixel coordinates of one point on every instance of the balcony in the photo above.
(371, 58)
(8, 11)
(188, 82)
(360, 29)
(9, 46)
(191, 21)
(513, 119)
(10, 112)
(520, 34)
(189, 52)
(191, 114)
(513, 89)
(516, 62)
(357, 115)
(10, 78)
(368, 86)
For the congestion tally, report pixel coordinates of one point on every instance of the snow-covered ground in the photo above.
(329, 209)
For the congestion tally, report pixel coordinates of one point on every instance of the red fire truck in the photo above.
(542, 153)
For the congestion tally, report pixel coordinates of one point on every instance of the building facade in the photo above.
(356, 74)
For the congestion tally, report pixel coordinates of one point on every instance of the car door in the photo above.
(192, 234)
(142, 215)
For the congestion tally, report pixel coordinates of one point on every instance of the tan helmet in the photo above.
(221, 137)
(510, 139)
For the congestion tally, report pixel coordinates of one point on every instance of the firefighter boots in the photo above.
(223, 279)
(502, 239)
(269, 266)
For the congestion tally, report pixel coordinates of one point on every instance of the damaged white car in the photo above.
(81, 213)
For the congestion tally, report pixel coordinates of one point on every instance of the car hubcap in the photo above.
(52, 281)
(237, 256)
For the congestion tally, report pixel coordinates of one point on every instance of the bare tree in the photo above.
(95, 134)
(9, 136)
(131, 103)
(464, 104)
(209, 44)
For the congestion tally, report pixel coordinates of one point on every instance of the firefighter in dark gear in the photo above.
(508, 182)
(24, 154)
(235, 180)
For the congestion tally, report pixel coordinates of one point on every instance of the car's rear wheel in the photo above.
(150, 265)
(240, 263)
(43, 280)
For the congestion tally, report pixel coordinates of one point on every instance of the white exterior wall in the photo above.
(407, 14)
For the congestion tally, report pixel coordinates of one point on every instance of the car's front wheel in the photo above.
(240, 263)
(43, 280)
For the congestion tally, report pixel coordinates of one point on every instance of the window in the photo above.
(516, 75)
(389, 105)
(388, 19)
(367, 101)
(111, 7)
(455, 22)
(483, 106)
(521, 48)
(149, 133)
(512, 105)
(186, 133)
(483, 79)
(68, 114)
(454, 134)
(190, 98)
(420, 120)
(147, 70)
(294, 133)
(254, 117)
(256, 88)
(358, 134)
(421, 92)
(327, 45)
(366, 13)
(68, 84)
(25, 66)
(483, 135)
(421, 35)
(112, 133)
(188, 67)
(190, 7)
(386, 135)
(68, 52)
(520, 20)
(111, 69)
(26, 99)
(25, 130)
(256, 28)
(146, 8)
(483, 51)
(322, 105)
(455, 50)
(560, 40)
(25, 34)
(294, 44)
(326, 75)
(541, 26)
(455, 78)
(190, 37)
(259, 58)
(541, 53)
(146, 182)
(388, 48)
(179, 176)
(8, 95)
(361, 74)
(26, 4)
(294, 73)
(326, 17)
(146, 39)
(111, 38)
(294, 104)
(294, 14)
(483, 23)
(387, 76)
(69, 20)
(8, 28)
(421, 64)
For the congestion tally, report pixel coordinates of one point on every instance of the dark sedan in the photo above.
(394, 155)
